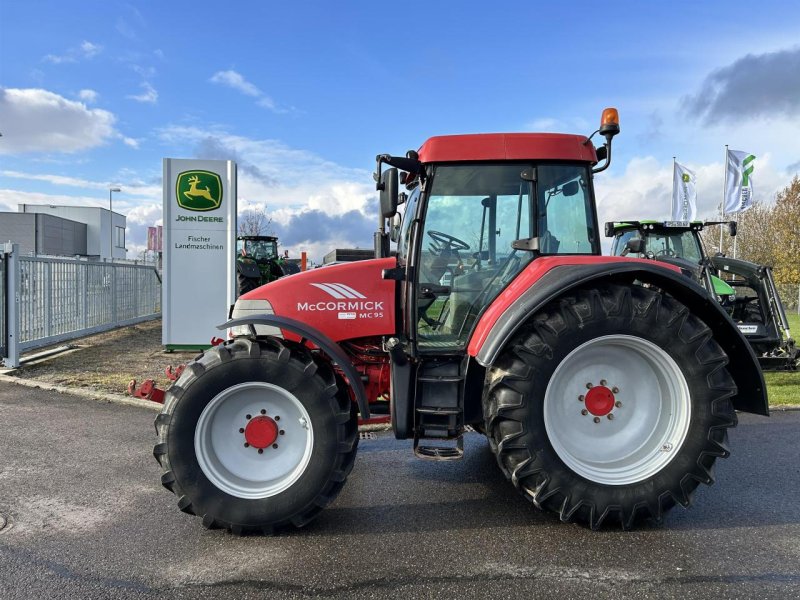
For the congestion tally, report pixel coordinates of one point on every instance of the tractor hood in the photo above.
(720, 287)
(344, 301)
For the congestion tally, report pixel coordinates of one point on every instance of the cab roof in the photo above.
(507, 146)
(660, 225)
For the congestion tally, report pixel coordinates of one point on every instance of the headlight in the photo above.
(253, 308)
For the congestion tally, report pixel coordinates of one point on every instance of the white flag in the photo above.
(684, 194)
(739, 181)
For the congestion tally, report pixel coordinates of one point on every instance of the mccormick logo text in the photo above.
(349, 303)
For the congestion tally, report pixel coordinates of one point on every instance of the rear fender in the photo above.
(560, 280)
(319, 339)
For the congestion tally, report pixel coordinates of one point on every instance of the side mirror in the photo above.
(635, 245)
(394, 228)
(609, 229)
(388, 187)
(732, 228)
(570, 189)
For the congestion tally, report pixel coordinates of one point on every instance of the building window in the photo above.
(119, 237)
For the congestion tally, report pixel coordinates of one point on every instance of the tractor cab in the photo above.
(745, 290)
(477, 227)
(480, 210)
(671, 239)
(257, 247)
(258, 262)
(673, 242)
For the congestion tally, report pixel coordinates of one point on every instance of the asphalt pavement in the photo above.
(86, 517)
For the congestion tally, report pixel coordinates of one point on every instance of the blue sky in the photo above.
(303, 96)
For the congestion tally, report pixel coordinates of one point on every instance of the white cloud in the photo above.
(10, 199)
(149, 94)
(144, 72)
(88, 96)
(267, 102)
(286, 176)
(57, 60)
(36, 120)
(85, 50)
(315, 204)
(643, 190)
(59, 180)
(88, 49)
(133, 188)
(236, 81)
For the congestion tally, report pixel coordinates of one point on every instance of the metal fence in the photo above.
(3, 304)
(50, 300)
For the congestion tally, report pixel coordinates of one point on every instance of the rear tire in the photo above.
(246, 284)
(637, 444)
(209, 442)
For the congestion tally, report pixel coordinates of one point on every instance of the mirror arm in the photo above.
(380, 159)
(607, 146)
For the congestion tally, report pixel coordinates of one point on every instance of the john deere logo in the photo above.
(686, 178)
(199, 190)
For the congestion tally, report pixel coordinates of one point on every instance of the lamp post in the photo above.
(111, 222)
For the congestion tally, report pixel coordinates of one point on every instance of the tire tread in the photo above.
(312, 365)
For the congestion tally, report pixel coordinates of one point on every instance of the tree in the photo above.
(756, 240)
(786, 233)
(769, 234)
(254, 221)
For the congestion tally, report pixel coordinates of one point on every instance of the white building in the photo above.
(105, 230)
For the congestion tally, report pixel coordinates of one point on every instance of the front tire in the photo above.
(256, 436)
(611, 404)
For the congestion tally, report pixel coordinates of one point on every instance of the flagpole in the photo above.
(672, 202)
(724, 191)
(740, 218)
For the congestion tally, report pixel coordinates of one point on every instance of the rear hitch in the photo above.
(149, 390)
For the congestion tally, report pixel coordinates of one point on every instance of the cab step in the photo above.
(428, 452)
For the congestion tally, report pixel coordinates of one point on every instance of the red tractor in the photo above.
(605, 385)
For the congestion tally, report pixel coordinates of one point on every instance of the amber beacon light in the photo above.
(609, 123)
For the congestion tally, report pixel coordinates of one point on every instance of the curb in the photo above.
(86, 393)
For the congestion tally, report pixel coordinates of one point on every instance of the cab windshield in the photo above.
(258, 249)
(679, 244)
(472, 215)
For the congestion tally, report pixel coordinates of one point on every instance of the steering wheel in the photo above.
(666, 252)
(452, 242)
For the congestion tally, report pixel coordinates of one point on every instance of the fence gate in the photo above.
(51, 300)
(3, 305)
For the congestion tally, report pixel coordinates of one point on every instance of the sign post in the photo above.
(199, 241)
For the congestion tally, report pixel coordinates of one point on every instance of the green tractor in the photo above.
(258, 262)
(745, 290)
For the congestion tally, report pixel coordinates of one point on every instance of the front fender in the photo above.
(319, 339)
(743, 366)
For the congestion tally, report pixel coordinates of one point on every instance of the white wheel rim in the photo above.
(649, 419)
(241, 470)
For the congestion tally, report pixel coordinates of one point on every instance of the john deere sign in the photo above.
(199, 240)
(199, 190)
